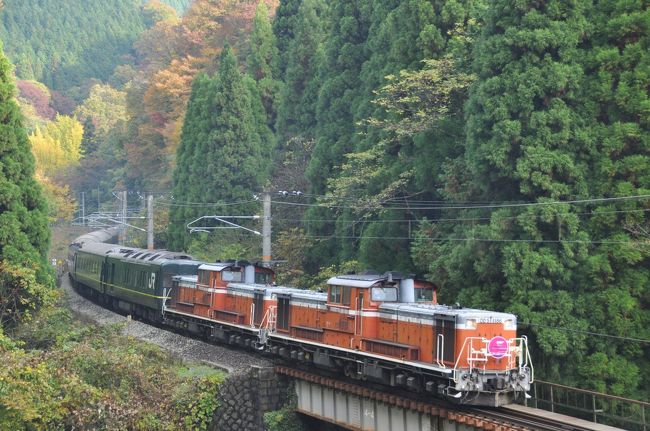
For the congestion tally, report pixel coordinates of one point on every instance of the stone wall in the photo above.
(245, 397)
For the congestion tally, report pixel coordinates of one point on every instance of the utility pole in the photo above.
(83, 208)
(123, 218)
(150, 222)
(266, 229)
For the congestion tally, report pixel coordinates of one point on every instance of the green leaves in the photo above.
(225, 147)
(417, 101)
(24, 234)
(68, 375)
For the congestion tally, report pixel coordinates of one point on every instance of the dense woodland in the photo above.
(500, 148)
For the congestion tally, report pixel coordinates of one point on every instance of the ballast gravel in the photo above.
(229, 360)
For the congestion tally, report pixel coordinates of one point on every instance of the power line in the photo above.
(497, 240)
(618, 337)
(413, 220)
(451, 206)
(205, 204)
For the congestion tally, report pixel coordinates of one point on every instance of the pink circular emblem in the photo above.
(498, 347)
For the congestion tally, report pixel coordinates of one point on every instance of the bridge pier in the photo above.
(244, 398)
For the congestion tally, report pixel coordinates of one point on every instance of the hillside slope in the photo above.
(64, 43)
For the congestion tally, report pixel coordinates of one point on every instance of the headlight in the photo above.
(470, 324)
(510, 324)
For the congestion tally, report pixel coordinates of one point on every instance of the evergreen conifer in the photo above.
(24, 234)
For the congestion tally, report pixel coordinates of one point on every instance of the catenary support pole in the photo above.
(124, 208)
(150, 222)
(266, 229)
(83, 208)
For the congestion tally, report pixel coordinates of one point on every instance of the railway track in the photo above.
(524, 420)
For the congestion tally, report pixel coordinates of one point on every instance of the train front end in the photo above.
(493, 365)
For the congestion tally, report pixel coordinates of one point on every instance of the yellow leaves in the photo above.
(61, 203)
(158, 11)
(57, 148)
(48, 154)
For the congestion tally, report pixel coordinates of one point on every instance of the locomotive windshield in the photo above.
(383, 294)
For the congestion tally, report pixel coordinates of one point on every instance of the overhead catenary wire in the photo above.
(412, 204)
(581, 331)
(495, 240)
(205, 204)
(463, 219)
(451, 206)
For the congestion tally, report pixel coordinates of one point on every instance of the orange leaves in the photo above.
(170, 55)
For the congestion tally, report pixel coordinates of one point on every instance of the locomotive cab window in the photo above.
(204, 278)
(335, 294)
(231, 276)
(339, 295)
(263, 278)
(383, 294)
(424, 294)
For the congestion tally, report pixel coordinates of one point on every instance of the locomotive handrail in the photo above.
(252, 316)
(269, 320)
(440, 351)
(529, 361)
(460, 356)
(164, 301)
(522, 355)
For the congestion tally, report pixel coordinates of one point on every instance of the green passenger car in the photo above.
(89, 264)
(143, 277)
(133, 280)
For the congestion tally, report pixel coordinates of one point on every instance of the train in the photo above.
(382, 328)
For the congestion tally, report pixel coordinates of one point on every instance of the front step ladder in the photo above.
(268, 324)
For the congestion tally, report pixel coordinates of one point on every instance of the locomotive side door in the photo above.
(445, 338)
(258, 300)
(284, 305)
(103, 276)
(358, 330)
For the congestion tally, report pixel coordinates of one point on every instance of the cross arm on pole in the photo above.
(223, 219)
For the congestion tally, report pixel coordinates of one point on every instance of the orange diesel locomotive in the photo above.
(384, 328)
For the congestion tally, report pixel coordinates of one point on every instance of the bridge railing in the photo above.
(597, 407)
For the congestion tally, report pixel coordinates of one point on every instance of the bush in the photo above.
(61, 374)
(283, 420)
